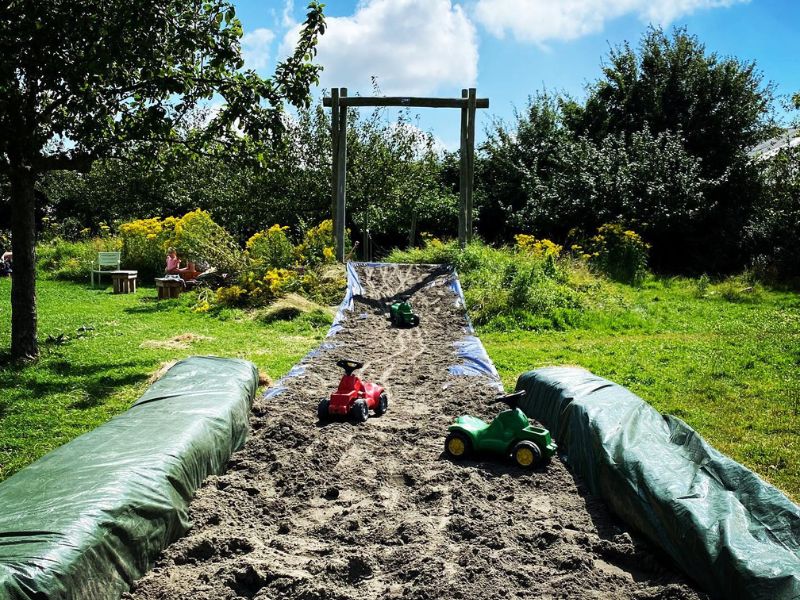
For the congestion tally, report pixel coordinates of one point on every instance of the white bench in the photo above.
(105, 259)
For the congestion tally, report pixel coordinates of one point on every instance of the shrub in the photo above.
(740, 289)
(701, 286)
(72, 260)
(772, 233)
(324, 285)
(145, 242)
(230, 296)
(199, 239)
(195, 235)
(318, 245)
(507, 288)
(619, 253)
(541, 248)
(272, 248)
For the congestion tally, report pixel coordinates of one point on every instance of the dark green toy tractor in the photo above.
(510, 433)
(402, 313)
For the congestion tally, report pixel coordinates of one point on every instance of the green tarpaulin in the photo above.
(732, 532)
(90, 517)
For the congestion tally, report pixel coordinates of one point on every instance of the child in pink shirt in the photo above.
(173, 262)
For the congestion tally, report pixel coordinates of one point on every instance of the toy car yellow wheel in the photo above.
(526, 454)
(457, 445)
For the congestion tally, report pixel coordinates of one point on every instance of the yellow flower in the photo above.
(202, 307)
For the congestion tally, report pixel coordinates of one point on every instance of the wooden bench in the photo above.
(105, 259)
(169, 287)
(124, 281)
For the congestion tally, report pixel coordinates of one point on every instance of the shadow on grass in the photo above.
(149, 306)
(64, 368)
(94, 392)
(95, 383)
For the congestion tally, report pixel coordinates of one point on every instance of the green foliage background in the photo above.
(660, 146)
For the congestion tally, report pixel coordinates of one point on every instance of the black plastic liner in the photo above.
(90, 517)
(735, 534)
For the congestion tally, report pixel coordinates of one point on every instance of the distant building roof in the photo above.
(788, 139)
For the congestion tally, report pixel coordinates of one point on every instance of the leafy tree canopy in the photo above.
(720, 105)
(85, 79)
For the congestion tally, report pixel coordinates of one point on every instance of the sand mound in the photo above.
(179, 342)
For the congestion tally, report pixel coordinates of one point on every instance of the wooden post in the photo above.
(339, 102)
(462, 180)
(470, 159)
(341, 178)
(365, 234)
(334, 153)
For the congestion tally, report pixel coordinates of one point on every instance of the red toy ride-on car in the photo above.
(353, 397)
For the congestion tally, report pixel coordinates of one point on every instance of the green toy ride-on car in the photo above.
(510, 433)
(402, 313)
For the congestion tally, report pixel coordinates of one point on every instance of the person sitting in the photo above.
(173, 263)
(188, 273)
(6, 263)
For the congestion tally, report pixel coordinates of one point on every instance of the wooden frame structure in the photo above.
(339, 102)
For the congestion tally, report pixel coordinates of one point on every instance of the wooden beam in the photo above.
(472, 104)
(341, 178)
(462, 179)
(334, 152)
(406, 101)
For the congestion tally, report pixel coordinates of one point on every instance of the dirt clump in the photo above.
(335, 510)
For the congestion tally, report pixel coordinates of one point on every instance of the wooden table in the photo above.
(168, 287)
(124, 281)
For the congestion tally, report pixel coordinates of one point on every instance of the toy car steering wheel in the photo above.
(349, 365)
(510, 399)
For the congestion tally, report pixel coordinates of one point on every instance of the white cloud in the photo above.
(255, 48)
(413, 47)
(286, 14)
(540, 21)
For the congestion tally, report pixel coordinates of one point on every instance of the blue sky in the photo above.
(509, 49)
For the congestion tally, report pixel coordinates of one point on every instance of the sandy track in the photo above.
(337, 511)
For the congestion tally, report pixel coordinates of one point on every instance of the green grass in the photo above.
(110, 351)
(727, 363)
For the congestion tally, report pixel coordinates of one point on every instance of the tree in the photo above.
(720, 106)
(773, 229)
(84, 80)
(513, 162)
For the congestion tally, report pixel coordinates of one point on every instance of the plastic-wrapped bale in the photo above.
(732, 532)
(89, 518)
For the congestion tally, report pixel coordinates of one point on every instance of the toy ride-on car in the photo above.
(402, 313)
(353, 397)
(510, 433)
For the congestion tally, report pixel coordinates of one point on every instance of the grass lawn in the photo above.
(113, 344)
(729, 369)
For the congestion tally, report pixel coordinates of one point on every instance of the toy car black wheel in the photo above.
(414, 320)
(527, 455)
(322, 409)
(457, 445)
(359, 411)
(383, 404)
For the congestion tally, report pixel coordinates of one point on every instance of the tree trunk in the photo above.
(23, 279)
(412, 232)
